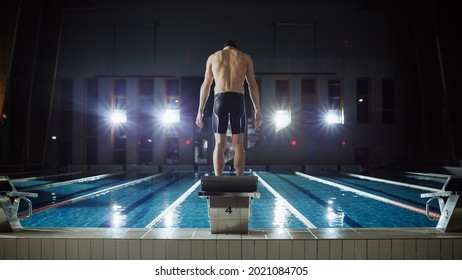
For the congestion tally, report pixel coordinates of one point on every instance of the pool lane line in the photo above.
(289, 206)
(45, 177)
(369, 195)
(79, 180)
(90, 195)
(423, 188)
(172, 206)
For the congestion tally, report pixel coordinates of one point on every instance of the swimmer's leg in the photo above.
(239, 153)
(218, 154)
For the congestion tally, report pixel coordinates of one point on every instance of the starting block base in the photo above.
(229, 202)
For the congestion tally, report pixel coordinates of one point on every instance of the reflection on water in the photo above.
(334, 215)
(281, 214)
(118, 216)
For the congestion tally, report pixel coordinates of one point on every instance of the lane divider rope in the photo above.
(90, 195)
(391, 182)
(369, 195)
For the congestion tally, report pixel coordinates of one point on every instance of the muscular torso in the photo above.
(229, 67)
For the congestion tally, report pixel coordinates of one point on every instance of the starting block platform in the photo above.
(229, 202)
(450, 203)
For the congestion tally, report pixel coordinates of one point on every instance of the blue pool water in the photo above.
(136, 200)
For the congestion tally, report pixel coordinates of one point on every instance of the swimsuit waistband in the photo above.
(228, 92)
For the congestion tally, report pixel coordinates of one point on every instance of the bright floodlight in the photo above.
(334, 116)
(172, 116)
(119, 116)
(282, 119)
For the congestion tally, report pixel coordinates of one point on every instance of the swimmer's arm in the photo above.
(204, 91)
(254, 92)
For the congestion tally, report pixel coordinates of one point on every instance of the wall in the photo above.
(173, 39)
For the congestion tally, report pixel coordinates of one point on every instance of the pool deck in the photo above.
(258, 244)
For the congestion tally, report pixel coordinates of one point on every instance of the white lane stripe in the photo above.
(391, 182)
(79, 180)
(289, 206)
(368, 195)
(173, 205)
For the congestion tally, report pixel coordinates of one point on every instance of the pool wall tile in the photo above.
(147, 249)
(2, 249)
(397, 249)
(134, 249)
(235, 249)
(248, 249)
(298, 249)
(360, 249)
(184, 249)
(72, 249)
(373, 249)
(422, 249)
(172, 249)
(210, 249)
(335, 249)
(261, 250)
(385, 249)
(446, 249)
(457, 249)
(222, 250)
(348, 249)
(84, 249)
(160, 247)
(197, 249)
(59, 249)
(409, 249)
(22, 249)
(109, 249)
(97, 249)
(323, 249)
(35, 248)
(273, 248)
(434, 249)
(311, 249)
(286, 249)
(47, 249)
(122, 249)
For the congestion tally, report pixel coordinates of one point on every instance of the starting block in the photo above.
(9, 204)
(229, 202)
(450, 203)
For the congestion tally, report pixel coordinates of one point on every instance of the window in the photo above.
(388, 101)
(309, 99)
(66, 124)
(172, 102)
(282, 117)
(119, 106)
(92, 121)
(145, 120)
(335, 102)
(363, 100)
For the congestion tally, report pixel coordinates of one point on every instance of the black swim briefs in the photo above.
(228, 107)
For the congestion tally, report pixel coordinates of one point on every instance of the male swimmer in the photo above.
(229, 68)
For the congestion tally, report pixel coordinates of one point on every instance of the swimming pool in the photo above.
(170, 200)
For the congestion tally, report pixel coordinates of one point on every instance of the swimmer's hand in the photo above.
(258, 119)
(199, 120)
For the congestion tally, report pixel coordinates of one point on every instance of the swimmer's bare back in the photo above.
(230, 68)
